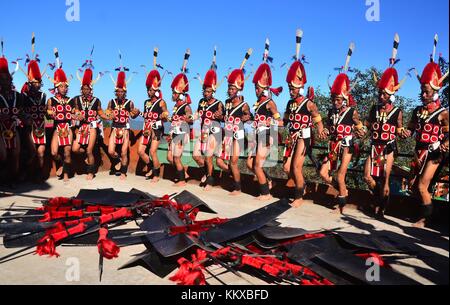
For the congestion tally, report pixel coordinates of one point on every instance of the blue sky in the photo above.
(135, 27)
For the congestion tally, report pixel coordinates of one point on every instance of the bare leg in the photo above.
(124, 155)
(260, 159)
(234, 166)
(154, 153)
(297, 169)
(423, 184)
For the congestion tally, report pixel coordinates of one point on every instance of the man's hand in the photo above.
(324, 134)
(444, 147)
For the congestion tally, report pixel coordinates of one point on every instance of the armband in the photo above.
(317, 119)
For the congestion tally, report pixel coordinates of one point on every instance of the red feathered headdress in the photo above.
(432, 75)
(121, 82)
(180, 83)
(153, 80)
(210, 80)
(341, 87)
(237, 79)
(60, 78)
(389, 81)
(296, 76)
(34, 73)
(4, 65)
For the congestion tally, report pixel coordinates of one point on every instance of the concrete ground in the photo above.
(430, 266)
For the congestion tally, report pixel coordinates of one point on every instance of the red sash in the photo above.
(121, 133)
(227, 148)
(9, 133)
(62, 130)
(38, 132)
(378, 164)
(334, 154)
(84, 132)
(147, 133)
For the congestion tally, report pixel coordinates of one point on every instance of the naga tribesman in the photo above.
(36, 111)
(120, 110)
(385, 123)
(181, 120)
(11, 119)
(343, 124)
(266, 118)
(237, 112)
(430, 123)
(89, 113)
(300, 116)
(155, 114)
(61, 109)
(210, 112)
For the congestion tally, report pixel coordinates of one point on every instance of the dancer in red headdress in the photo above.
(36, 110)
(88, 112)
(210, 112)
(237, 112)
(300, 116)
(385, 122)
(266, 118)
(181, 120)
(430, 123)
(155, 114)
(61, 108)
(342, 125)
(11, 119)
(120, 110)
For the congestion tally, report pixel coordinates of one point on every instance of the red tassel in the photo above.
(106, 247)
(311, 94)
(47, 247)
(276, 91)
(119, 214)
(377, 259)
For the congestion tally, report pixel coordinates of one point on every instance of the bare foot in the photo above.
(235, 193)
(66, 178)
(420, 224)
(338, 211)
(297, 203)
(180, 184)
(89, 177)
(123, 177)
(186, 175)
(59, 171)
(148, 174)
(264, 197)
(154, 180)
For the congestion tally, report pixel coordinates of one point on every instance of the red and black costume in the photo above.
(383, 125)
(35, 105)
(61, 111)
(121, 110)
(340, 122)
(234, 125)
(209, 124)
(153, 112)
(180, 131)
(426, 125)
(89, 107)
(299, 119)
